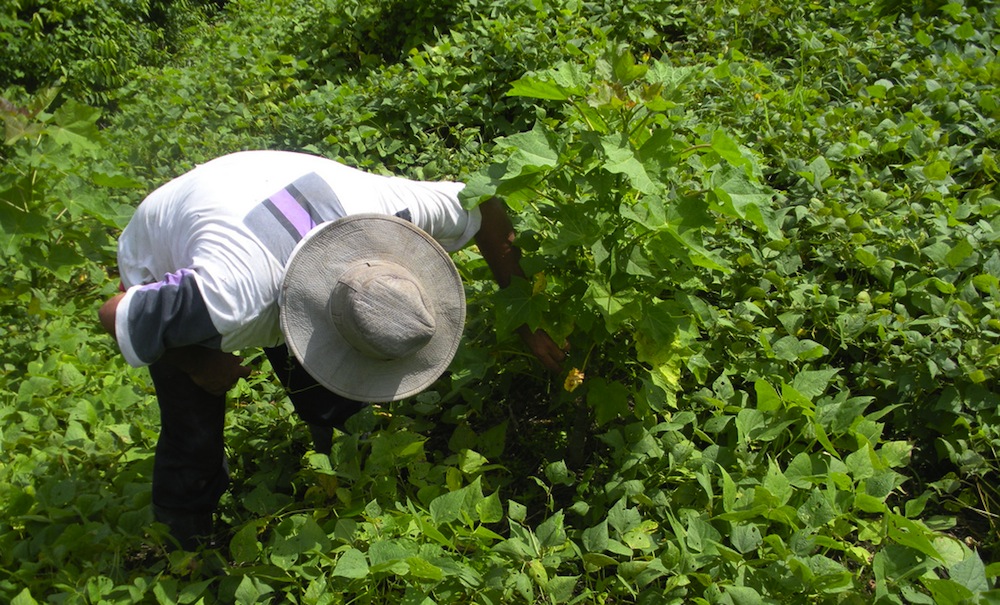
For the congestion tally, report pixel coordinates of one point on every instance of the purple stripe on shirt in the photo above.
(170, 279)
(293, 211)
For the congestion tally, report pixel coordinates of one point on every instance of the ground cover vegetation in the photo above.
(767, 230)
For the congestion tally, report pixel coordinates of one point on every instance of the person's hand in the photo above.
(543, 347)
(217, 372)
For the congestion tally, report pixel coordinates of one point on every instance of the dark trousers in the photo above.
(190, 472)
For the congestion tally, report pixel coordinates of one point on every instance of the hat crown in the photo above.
(389, 328)
(382, 310)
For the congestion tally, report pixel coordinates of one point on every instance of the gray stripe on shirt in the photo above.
(279, 227)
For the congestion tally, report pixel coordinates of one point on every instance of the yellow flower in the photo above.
(573, 380)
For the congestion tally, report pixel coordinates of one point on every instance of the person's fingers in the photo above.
(547, 351)
(221, 373)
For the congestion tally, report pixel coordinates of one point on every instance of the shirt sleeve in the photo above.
(171, 313)
(473, 224)
(439, 212)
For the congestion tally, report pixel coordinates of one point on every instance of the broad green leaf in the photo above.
(669, 245)
(70, 376)
(790, 348)
(536, 88)
(448, 507)
(551, 532)
(970, 573)
(423, 569)
(191, 592)
(622, 518)
(295, 537)
(838, 414)
(672, 77)
(866, 256)
(881, 484)
(768, 399)
(701, 535)
(794, 398)
(566, 80)
(896, 453)
(862, 463)
(636, 262)
(76, 126)
(19, 127)
(572, 76)
(621, 159)
(595, 539)
(470, 461)
(24, 598)
(869, 504)
(947, 592)
(727, 149)
(663, 323)
(115, 181)
(517, 304)
(660, 340)
(817, 510)
(390, 554)
(516, 511)
(742, 595)
(728, 489)
(813, 383)
(536, 150)
(482, 185)
(959, 253)
(937, 251)
(244, 546)
(805, 470)
(937, 171)
(536, 569)
(523, 586)
(16, 217)
(818, 172)
(247, 592)
(75, 432)
(745, 538)
(561, 588)
(647, 210)
(912, 534)
(742, 198)
(616, 309)
(609, 400)
(490, 509)
(878, 90)
(351, 564)
(575, 229)
(558, 473)
(938, 284)
(777, 484)
(657, 153)
(624, 67)
(750, 423)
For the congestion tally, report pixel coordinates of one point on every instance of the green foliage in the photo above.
(767, 230)
(91, 47)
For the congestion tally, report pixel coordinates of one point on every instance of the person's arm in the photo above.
(213, 370)
(108, 312)
(495, 240)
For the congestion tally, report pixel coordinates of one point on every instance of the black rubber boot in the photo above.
(191, 530)
(322, 438)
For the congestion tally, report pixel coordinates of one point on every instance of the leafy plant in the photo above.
(765, 229)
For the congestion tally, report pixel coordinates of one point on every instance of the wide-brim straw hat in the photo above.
(372, 307)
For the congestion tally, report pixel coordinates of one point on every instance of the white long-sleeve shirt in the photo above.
(203, 257)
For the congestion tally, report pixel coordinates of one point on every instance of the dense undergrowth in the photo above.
(767, 231)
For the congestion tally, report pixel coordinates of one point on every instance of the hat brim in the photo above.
(314, 267)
